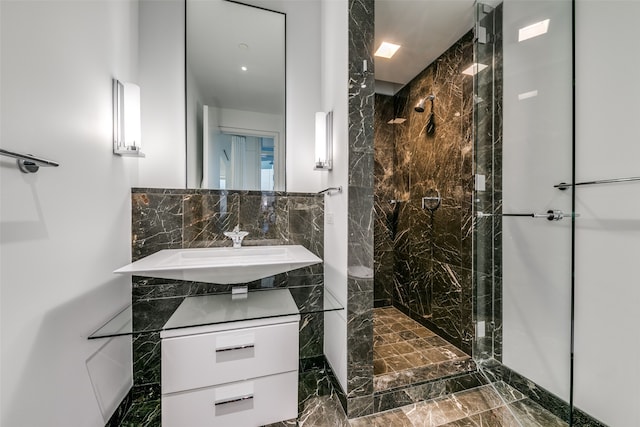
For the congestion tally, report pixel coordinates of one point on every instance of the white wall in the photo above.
(335, 56)
(608, 231)
(536, 155)
(63, 230)
(162, 86)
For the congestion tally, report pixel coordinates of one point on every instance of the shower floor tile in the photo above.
(497, 405)
(406, 352)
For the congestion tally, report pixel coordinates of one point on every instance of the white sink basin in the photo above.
(222, 265)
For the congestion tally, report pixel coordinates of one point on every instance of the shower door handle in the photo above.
(551, 215)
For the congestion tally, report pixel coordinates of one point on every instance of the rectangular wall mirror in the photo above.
(235, 96)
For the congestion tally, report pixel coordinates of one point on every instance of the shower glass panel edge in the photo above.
(523, 265)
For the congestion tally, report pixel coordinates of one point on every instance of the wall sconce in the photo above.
(324, 141)
(126, 119)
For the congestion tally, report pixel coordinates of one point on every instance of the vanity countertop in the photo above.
(163, 314)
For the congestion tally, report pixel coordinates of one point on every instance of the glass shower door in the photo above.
(523, 230)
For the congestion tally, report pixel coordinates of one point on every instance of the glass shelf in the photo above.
(158, 314)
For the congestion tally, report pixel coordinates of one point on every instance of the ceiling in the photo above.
(424, 28)
(224, 36)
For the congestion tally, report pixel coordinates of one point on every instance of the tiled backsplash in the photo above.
(170, 219)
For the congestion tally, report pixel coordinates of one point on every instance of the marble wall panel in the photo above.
(207, 216)
(306, 223)
(360, 242)
(386, 207)
(360, 337)
(146, 359)
(156, 223)
(265, 216)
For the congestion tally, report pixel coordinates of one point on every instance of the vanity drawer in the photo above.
(207, 359)
(248, 403)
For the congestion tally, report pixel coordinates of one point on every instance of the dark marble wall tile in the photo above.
(156, 223)
(207, 217)
(306, 227)
(311, 335)
(360, 223)
(146, 359)
(360, 337)
(360, 241)
(265, 216)
(386, 206)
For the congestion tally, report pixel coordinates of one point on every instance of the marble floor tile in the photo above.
(499, 417)
(406, 352)
(478, 400)
(433, 413)
(395, 418)
(530, 414)
(494, 405)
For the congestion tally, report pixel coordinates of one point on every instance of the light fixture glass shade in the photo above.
(324, 141)
(126, 119)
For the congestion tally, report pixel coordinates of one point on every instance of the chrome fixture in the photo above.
(432, 200)
(330, 189)
(236, 236)
(564, 185)
(324, 141)
(551, 215)
(420, 105)
(126, 119)
(28, 163)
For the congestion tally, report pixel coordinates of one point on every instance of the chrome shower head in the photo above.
(420, 105)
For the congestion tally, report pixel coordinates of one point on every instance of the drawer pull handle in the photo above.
(235, 400)
(236, 347)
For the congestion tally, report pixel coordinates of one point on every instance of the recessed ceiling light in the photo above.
(533, 30)
(526, 95)
(243, 46)
(474, 69)
(243, 68)
(387, 50)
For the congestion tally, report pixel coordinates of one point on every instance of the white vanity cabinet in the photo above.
(233, 374)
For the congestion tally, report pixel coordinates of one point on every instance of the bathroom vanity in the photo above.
(239, 368)
(226, 360)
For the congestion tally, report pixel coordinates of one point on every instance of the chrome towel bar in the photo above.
(29, 163)
(551, 215)
(564, 185)
(330, 189)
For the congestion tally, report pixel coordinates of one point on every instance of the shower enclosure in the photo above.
(475, 208)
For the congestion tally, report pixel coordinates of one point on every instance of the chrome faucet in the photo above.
(236, 236)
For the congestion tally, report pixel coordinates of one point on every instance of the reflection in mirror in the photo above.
(235, 71)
